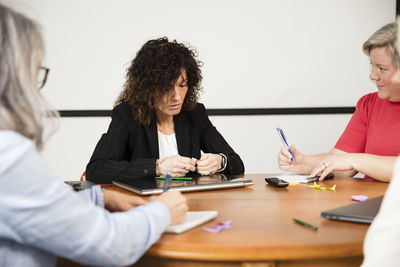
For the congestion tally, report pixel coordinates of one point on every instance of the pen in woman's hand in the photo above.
(283, 138)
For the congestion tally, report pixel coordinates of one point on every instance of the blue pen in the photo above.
(283, 138)
(166, 182)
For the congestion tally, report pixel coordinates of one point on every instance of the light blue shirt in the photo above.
(41, 217)
(381, 244)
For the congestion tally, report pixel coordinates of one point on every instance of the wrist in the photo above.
(353, 159)
(105, 194)
(224, 162)
(159, 162)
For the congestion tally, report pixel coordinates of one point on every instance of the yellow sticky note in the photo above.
(319, 187)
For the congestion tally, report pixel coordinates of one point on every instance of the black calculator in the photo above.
(276, 182)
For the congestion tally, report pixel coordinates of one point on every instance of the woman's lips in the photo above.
(176, 106)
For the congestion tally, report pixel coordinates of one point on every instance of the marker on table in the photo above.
(305, 224)
(283, 138)
(166, 182)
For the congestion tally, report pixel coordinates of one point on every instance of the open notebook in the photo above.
(193, 219)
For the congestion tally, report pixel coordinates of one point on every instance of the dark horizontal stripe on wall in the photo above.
(230, 112)
(279, 111)
(85, 113)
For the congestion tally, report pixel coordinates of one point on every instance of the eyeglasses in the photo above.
(42, 76)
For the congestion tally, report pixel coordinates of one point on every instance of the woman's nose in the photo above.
(175, 93)
(373, 75)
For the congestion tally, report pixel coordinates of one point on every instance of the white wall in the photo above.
(257, 53)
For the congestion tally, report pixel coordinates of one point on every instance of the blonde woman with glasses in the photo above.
(40, 217)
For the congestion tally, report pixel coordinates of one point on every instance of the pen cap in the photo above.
(282, 136)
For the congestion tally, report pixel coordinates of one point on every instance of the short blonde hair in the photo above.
(384, 37)
(22, 108)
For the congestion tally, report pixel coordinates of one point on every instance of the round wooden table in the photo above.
(263, 232)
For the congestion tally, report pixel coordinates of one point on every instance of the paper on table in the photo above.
(193, 219)
(293, 178)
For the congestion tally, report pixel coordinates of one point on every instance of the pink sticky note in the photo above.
(225, 225)
(214, 230)
(359, 197)
(217, 228)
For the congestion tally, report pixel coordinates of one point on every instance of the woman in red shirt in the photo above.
(370, 143)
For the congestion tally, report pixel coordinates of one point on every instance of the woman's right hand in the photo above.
(176, 166)
(286, 163)
(176, 204)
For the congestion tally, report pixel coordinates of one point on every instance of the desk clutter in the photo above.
(356, 212)
(272, 218)
(293, 179)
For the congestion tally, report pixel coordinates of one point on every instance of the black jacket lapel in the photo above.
(152, 138)
(182, 132)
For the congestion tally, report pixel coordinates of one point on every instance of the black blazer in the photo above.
(130, 149)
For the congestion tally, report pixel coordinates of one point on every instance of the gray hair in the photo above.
(22, 108)
(384, 37)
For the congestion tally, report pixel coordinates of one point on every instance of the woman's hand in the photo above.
(176, 166)
(116, 201)
(176, 204)
(333, 162)
(209, 163)
(286, 163)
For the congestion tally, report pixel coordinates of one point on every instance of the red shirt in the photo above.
(374, 128)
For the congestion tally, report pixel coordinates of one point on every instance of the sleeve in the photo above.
(211, 141)
(381, 245)
(45, 213)
(354, 137)
(111, 157)
(93, 194)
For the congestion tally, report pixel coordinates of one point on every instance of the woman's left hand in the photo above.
(333, 162)
(209, 163)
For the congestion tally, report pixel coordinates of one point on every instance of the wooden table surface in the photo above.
(263, 232)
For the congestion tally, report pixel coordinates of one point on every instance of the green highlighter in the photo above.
(175, 178)
(309, 225)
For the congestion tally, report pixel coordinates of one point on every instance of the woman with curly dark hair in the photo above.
(157, 125)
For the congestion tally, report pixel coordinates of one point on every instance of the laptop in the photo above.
(360, 212)
(153, 185)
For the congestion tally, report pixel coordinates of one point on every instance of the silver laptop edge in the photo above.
(346, 218)
(355, 212)
(184, 189)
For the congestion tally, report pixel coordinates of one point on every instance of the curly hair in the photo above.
(154, 71)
